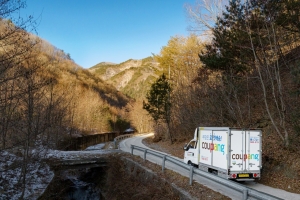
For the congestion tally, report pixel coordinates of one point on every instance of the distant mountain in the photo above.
(132, 77)
(68, 72)
(104, 63)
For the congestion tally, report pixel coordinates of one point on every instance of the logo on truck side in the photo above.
(214, 147)
(254, 139)
(245, 156)
(212, 137)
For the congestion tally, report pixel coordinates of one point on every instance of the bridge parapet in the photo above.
(81, 159)
(79, 164)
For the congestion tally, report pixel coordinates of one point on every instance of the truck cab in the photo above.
(191, 151)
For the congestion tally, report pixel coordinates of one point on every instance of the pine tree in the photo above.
(158, 97)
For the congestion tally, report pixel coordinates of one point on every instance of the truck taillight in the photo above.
(233, 175)
(256, 175)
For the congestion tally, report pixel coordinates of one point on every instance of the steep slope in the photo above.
(67, 72)
(82, 101)
(132, 77)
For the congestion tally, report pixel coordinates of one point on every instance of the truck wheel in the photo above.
(215, 172)
(190, 163)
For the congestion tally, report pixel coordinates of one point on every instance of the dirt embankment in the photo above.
(134, 178)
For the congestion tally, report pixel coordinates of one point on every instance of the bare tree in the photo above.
(204, 14)
(267, 56)
(139, 118)
(15, 47)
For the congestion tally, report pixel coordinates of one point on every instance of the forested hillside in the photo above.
(44, 94)
(245, 74)
(46, 99)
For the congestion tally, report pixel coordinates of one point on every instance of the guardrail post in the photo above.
(132, 149)
(163, 163)
(115, 143)
(191, 175)
(245, 194)
(145, 152)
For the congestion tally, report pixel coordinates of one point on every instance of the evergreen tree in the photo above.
(158, 97)
(229, 50)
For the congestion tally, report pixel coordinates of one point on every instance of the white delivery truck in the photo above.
(231, 153)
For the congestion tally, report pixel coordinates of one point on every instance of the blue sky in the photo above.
(94, 31)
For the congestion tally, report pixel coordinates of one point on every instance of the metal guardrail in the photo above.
(121, 137)
(245, 191)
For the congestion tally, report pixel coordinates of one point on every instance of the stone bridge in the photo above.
(79, 164)
(82, 159)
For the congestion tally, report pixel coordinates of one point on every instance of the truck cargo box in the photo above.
(231, 153)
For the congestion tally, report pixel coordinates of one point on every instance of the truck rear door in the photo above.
(246, 152)
(213, 148)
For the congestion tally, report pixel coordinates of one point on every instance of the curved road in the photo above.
(126, 144)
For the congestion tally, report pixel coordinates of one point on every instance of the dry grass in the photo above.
(137, 185)
(125, 181)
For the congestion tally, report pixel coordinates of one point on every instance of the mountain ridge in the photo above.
(132, 77)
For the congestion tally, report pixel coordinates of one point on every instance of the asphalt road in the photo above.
(126, 144)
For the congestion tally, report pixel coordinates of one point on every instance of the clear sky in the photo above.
(94, 31)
